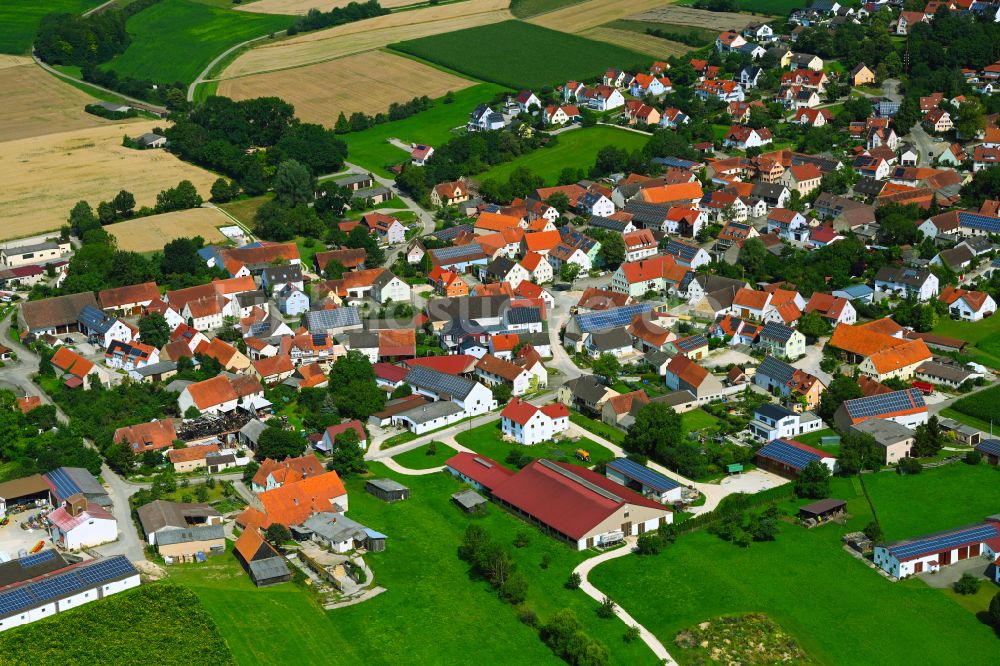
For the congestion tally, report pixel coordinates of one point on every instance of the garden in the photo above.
(542, 57)
(487, 440)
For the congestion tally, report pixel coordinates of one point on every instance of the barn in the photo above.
(388, 490)
(933, 551)
(788, 457)
(990, 450)
(643, 480)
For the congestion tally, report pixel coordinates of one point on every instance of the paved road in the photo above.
(928, 149)
(202, 77)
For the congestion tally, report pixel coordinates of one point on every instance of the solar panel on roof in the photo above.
(943, 541)
(876, 405)
(611, 318)
(55, 587)
(439, 382)
(14, 600)
(32, 560)
(103, 570)
(978, 221)
(991, 446)
(450, 253)
(65, 486)
(786, 453)
(647, 477)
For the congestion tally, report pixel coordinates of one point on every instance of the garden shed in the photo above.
(822, 511)
(469, 500)
(388, 490)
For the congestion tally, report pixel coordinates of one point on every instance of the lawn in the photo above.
(371, 149)
(433, 609)
(542, 57)
(936, 499)
(577, 148)
(422, 457)
(20, 19)
(486, 440)
(697, 419)
(598, 427)
(807, 584)
(950, 413)
(245, 210)
(983, 337)
(771, 7)
(174, 40)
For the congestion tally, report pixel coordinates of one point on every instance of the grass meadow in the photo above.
(20, 18)
(486, 440)
(983, 338)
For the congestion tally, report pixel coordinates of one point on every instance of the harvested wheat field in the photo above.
(320, 92)
(654, 46)
(696, 18)
(298, 7)
(36, 102)
(367, 35)
(44, 176)
(146, 234)
(577, 18)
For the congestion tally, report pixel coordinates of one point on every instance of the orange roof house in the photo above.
(274, 473)
(496, 222)
(689, 193)
(293, 502)
(151, 436)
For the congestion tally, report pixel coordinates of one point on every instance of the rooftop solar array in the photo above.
(526, 315)
(336, 318)
(440, 383)
(64, 485)
(990, 446)
(32, 560)
(777, 370)
(644, 475)
(612, 317)
(85, 576)
(886, 403)
(682, 251)
(593, 487)
(941, 542)
(691, 342)
(977, 221)
(785, 452)
(457, 252)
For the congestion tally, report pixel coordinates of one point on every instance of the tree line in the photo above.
(353, 11)
(361, 121)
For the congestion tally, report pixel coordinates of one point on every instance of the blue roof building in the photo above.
(643, 480)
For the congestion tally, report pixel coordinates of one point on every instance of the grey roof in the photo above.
(587, 388)
(335, 526)
(112, 106)
(354, 179)
(429, 411)
(647, 214)
(469, 498)
(34, 247)
(451, 232)
(779, 332)
(253, 429)
(912, 277)
(150, 137)
(943, 371)
(439, 383)
(320, 321)
(189, 534)
(777, 370)
(283, 273)
(500, 266)
(885, 432)
(675, 398)
(384, 278)
(656, 357)
(370, 192)
(612, 338)
(608, 223)
(160, 513)
(772, 411)
(84, 480)
(957, 256)
(155, 368)
(219, 458)
(272, 567)
(95, 319)
(387, 484)
(249, 299)
(469, 307)
(363, 340)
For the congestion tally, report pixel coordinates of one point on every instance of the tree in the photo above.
(656, 432)
(182, 197)
(928, 438)
(968, 584)
(840, 389)
(293, 184)
(82, 218)
(124, 203)
(813, 325)
(342, 126)
(612, 252)
(347, 457)
(764, 526)
(180, 257)
(222, 191)
(909, 466)
(502, 393)
(250, 470)
(994, 611)
(515, 589)
(352, 383)
(559, 201)
(106, 212)
(334, 270)
(873, 531)
(277, 534)
(568, 272)
(278, 444)
(154, 330)
(573, 582)
(608, 366)
(649, 544)
(814, 481)
(859, 451)
(970, 119)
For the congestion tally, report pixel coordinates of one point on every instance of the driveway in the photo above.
(811, 361)
(949, 574)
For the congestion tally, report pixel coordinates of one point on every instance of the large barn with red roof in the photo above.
(570, 503)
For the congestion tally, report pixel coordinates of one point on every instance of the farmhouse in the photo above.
(895, 438)
(643, 480)
(128, 301)
(968, 305)
(79, 524)
(528, 424)
(905, 407)
(262, 562)
(789, 457)
(159, 517)
(223, 394)
(568, 502)
(78, 371)
(933, 551)
(55, 316)
(772, 422)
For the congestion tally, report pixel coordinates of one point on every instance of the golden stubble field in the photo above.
(36, 102)
(579, 17)
(146, 234)
(652, 46)
(367, 35)
(696, 18)
(367, 82)
(45, 175)
(299, 7)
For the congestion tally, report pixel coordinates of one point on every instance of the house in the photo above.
(276, 278)
(639, 245)
(683, 374)
(748, 76)
(929, 553)
(102, 329)
(585, 393)
(78, 371)
(571, 503)
(989, 449)
(126, 356)
(724, 91)
(356, 181)
(906, 21)
(602, 98)
(673, 118)
(160, 517)
(273, 474)
(779, 378)
(505, 270)
(648, 336)
(895, 438)
(262, 562)
(938, 120)
(647, 84)
(803, 178)
(528, 424)
(294, 501)
(128, 301)
(743, 137)
(527, 100)
(729, 41)
(898, 361)
(861, 75)
(387, 287)
(806, 61)
(190, 543)
(449, 193)
(905, 407)
(772, 422)
(644, 480)
(223, 394)
(419, 154)
(834, 309)
(906, 282)
(538, 267)
(560, 115)
(686, 254)
(484, 119)
(813, 117)
(151, 436)
(33, 254)
(191, 458)
(788, 224)
(471, 397)
(274, 369)
(40, 585)
(79, 524)
(388, 229)
(621, 410)
(968, 305)
(614, 341)
(787, 457)
(291, 301)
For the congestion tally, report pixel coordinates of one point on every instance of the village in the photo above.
(495, 377)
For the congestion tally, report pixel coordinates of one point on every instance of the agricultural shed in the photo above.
(387, 490)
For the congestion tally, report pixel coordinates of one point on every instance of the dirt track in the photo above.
(299, 7)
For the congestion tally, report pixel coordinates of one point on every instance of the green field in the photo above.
(486, 440)
(983, 337)
(577, 148)
(174, 40)
(705, 34)
(420, 458)
(20, 19)
(371, 149)
(433, 611)
(521, 55)
(772, 7)
(807, 584)
(117, 631)
(983, 405)
(934, 500)
(528, 8)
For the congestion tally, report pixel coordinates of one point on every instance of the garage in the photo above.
(19, 494)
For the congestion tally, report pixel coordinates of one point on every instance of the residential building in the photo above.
(160, 517)
(905, 282)
(834, 309)
(968, 305)
(644, 480)
(273, 474)
(77, 371)
(528, 424)
(781, 379)
(772, 422)
(151, 436)
(585, 393)
(79, 524)
(782, 341)
(895, 438)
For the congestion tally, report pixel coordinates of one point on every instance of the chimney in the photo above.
(76, 504)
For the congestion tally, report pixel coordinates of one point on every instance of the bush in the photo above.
(973, 458)
(546, 561)
(528, 617)
(649, 544)
(631, 634)
(573, 582)
(522, 539)
(909, 466)
(432, 449)
(606, 609)
(967, 584)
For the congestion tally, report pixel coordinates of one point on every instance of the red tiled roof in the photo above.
(292, 503)
(355, 425)
(136, 293)
(288, 470)
(481, 469)
(454, 364)
(687, 370)
(190, 453)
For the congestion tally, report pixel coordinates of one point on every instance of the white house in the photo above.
(595, 203)
(292, 302)
(902, 281)
(493, 371)
(929, 553)
(527, 100)
(772, 422)
(538, 267)
(528, 424)
(81, 524)
(968, 305)
(388, 287)
(470, 396)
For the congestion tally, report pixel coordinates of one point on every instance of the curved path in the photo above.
(137, 103)
(406, 471)
(204, 73)
(584, 569)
